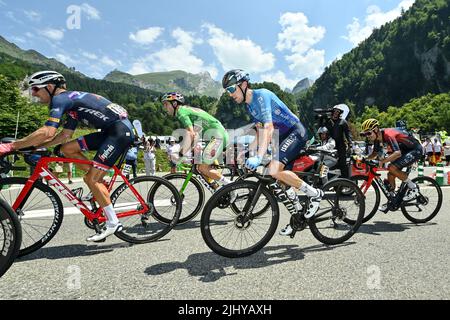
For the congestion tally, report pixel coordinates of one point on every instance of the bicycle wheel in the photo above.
(193, 197)
(262, 207)
(10, 236)
(224, 230)
(163, 200)
(427, 205)
(372, 196)
(340, 214)
(40, 214)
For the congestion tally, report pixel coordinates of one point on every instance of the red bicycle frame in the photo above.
(43, 171)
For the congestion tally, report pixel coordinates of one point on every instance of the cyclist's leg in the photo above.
(118, 139)
(396, 169)
(210, 155)
(75, 148)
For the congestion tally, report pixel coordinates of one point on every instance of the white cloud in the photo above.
(10, 15)
(66, 59)
(309, 65)
(91, 12)
(179, 57)
(91, 56)
(17, 39)
(299, 38)
(238, 53)
(110, 62)
(146, 36)
(52, 34)
(279, 78)
(375, 18)
(33, 15)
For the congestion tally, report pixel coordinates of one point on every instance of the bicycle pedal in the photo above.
(292, 235)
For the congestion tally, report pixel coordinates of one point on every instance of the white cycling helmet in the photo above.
(43, 78)
(345, 110)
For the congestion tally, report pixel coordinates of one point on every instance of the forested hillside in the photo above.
(404, 59)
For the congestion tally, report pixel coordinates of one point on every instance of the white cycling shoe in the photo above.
(314, 205)
(411, 194)
(106, 231)
(286, 231)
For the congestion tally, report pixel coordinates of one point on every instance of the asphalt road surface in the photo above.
(389, 258)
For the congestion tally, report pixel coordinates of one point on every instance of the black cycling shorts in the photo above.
(290, 146)
(110, 143)
(408, 158)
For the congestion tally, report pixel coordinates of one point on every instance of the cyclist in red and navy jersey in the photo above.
(92, 110)
(405, 151)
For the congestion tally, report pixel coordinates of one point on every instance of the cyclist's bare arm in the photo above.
(60, 138)
(40, 136)
(265, 136)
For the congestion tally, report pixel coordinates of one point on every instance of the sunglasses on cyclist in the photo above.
(37, 88)
(366, 134)
(231, 89)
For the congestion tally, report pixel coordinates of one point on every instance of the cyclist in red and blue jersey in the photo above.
(92, 110)
(268, 110)
(405, 151)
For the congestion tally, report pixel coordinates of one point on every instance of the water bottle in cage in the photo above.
(292, 195)
(126, 169)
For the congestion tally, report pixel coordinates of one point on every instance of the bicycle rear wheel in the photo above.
(340, 214)
(40, 214)
(193, 197)
(10, 236)
(163, 200)
(223, 228)
(427, 205)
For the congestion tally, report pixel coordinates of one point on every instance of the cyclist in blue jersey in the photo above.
(111, 142)
(268, 110)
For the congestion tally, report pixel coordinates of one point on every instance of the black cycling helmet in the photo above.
(235, 76)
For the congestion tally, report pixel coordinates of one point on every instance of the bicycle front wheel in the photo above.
(340, 214)
(372, 196)
(163, 200)
(10, 236)
(40, 213)
(232, 234)
(427, 205)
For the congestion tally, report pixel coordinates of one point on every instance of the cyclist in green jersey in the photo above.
(199, 124)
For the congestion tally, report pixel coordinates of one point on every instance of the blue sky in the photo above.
(276, 40)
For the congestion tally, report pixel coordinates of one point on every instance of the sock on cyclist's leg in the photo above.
(308, 190)
(410, 184)
(224, 181)
(111, 214)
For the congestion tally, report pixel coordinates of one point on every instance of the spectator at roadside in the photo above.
(131, 159)
(447, 154)
(429, 151)
(69, 167)
(173, 153)
(150, 157)
(437, 150)
(59, 168)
